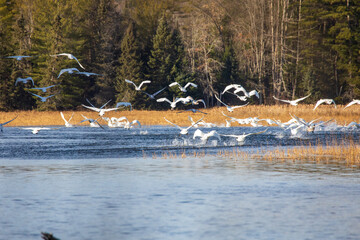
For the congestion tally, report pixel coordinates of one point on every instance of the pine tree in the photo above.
(166, 62)
(130, 68)
(57, 31)
(6, 19)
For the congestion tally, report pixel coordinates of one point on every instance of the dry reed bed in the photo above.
(214, 115)
(343, 154)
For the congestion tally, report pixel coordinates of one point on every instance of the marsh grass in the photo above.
(214, 115)
(345, 153)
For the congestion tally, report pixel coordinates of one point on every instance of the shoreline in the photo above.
(213, 115)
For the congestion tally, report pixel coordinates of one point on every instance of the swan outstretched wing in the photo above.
(143, 82)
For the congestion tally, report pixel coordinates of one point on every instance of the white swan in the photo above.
(92, 122)
(355, 101)
(152, 96)
(205, 136)
(241, 138)
(183, 89)
(70, 56)
(129, 124)
(230, 108)
(35, 130)
(184, 130)
(18, 57)
(68, 70)
(327, 101)
(3, 124)
(43, 99)
(123, 104)
(228, 87)
(24, 80)
(67, 122)
(137, 88)
(43, 89)
(173, 103)
(292, 102)
(248, 94)
(88, 74)
(101, 111)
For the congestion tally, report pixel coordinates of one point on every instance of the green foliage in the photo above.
(131, 67)
(148, 39)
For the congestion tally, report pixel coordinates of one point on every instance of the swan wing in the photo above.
(321, 101)
(143, 82)
(173, 123)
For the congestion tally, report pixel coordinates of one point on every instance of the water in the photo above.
(83, 183)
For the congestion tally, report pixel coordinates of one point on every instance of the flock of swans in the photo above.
(294, 126)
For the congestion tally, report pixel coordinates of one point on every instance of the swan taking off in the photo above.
(205, 136)
(36, 130)
(67, 122)
(183, 130)
(101, 111)
(327, 101)
(292, 102)
(92, 122)
(241, 138)
(137, 88)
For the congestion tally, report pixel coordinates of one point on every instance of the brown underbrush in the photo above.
(214, 115)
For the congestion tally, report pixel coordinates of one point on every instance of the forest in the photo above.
(282, 48)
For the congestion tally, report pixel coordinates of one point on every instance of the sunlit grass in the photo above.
(214, 115)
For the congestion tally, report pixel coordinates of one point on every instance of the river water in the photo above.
(87, 183)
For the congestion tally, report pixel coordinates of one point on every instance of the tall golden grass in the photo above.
(214, 115)
(347, 154)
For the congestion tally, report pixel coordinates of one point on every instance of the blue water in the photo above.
(86, 183)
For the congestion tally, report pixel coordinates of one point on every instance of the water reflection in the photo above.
(91, 184)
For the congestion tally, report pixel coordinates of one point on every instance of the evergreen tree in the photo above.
(56, 31)
(6, 83)
(103, 36)
(230, 72)
(130, 68)
(166, 62)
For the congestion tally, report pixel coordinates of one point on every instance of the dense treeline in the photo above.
(282, 48)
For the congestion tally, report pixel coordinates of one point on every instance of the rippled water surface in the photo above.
(85, 183)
